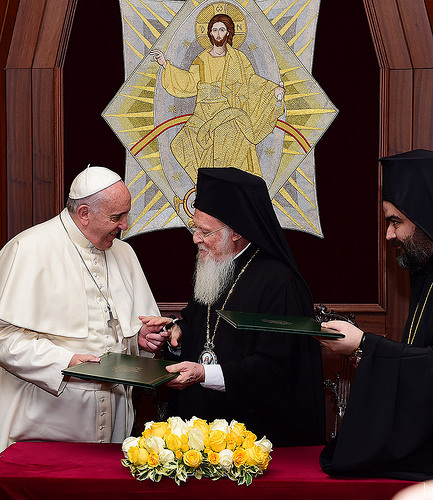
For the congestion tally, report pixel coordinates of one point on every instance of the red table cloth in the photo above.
(81, 471)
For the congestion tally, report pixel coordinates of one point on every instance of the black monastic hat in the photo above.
(408, 185)
(241, 200)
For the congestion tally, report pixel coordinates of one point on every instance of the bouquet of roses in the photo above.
(178, 449)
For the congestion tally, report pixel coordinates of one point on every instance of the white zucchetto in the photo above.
(91, 181)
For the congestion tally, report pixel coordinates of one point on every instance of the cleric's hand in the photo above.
(189, 374)
(348, 344)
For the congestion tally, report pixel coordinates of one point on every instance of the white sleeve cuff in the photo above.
(213, 378)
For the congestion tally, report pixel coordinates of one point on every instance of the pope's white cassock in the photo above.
(51, 309)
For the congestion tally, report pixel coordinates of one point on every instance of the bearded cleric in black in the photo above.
(387, 430)
(271, 382)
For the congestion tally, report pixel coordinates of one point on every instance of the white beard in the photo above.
(211, 278)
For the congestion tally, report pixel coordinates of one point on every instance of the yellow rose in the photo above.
(138, 456)
(249, 439)
(173, 442)
(192, 458)
(146, 433)
(238, 430)
(178, 454)
(231, 442)
(213, 458)
(256, 456)
(239, 457)
(153, 460)
(217, 440)
(159, 429)
(142, 441)
(201, 425)
(184, 440)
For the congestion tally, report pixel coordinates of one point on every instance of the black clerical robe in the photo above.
(273, 382)
(387, 430)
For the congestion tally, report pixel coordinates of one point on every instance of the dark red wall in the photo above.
(342, 267)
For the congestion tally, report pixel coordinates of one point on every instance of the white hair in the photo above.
(93, 201)
(212, 277)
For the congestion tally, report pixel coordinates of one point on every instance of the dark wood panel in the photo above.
(398, 97)
(19, 149)
(429, 5)
(418, 33)
(8, 12)
(59, 157)
(26, 32)
(423, 108)
(387, 32)
(51, 32)
(43, 125)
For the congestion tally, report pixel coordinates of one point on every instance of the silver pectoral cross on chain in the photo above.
(112, 323)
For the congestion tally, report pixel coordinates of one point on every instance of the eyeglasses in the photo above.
(203, 235)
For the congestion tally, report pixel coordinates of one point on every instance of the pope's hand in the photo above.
(82, 358)
(189, 374)
(173, 334)
(151, 338)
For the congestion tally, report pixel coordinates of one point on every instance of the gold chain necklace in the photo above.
(208, 356)
(412, 335)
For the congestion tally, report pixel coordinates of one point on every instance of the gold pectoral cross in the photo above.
(112, 323)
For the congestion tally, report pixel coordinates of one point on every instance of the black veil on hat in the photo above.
(241, 200)
(408, 185)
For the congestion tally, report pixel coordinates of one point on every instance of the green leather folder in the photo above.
(127, 369)
(281, 324)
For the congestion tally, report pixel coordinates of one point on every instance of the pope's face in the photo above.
(219, 34)
(216, 245)
(111, 218)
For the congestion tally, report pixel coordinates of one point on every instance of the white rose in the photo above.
(226, 459)
(127, 443)
(264, 444)
(148, 425)
(154, 444)
(220, 424)
(232, 424)
(166, 456)
(190, 422)
(178, 426)
(196, 439)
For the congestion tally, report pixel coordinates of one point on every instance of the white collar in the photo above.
(241, 252)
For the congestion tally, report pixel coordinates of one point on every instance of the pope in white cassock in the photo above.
(69, 292)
